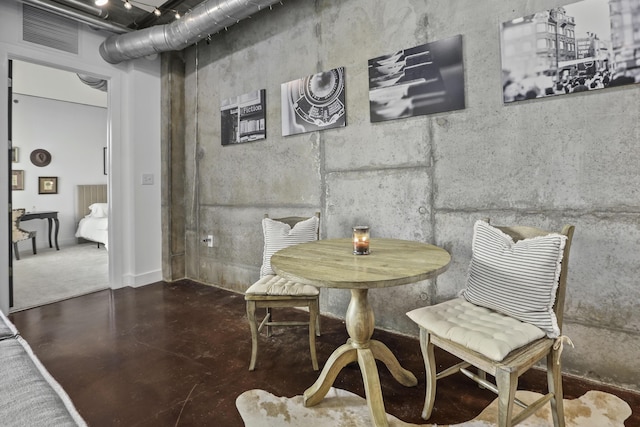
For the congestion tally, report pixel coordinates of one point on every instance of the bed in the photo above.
(92, 214)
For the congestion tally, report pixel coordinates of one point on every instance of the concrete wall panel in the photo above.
(394, 203)
(598, 352)
(604, 270)
(547, 162)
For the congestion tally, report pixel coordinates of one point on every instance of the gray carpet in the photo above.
(52, 275)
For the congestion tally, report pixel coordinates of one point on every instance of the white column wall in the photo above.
(134, 148)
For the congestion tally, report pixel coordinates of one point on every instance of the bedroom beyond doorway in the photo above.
(52, 276)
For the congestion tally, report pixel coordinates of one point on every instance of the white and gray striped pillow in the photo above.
(519, 279)
(278, 235)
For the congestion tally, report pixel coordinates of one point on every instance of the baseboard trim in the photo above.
(136, 281)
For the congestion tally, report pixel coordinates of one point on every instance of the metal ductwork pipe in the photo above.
(87, 8)
(94, 82)
(76, 15)
(207, 18)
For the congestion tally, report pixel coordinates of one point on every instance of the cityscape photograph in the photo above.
(583, 46)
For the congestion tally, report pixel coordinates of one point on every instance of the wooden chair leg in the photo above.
(313, 318)
(318, 321)
(507, 383)
(554, 380)
(16, 252)
(268, 319)
(430, 369)
(251, 315)
(33, 243)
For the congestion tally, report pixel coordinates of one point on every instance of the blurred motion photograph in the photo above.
(581, 47)
(425, 79)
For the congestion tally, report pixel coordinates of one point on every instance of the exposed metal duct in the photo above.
(77, 4)
(94, 82)
(76, 15)
(207, 18)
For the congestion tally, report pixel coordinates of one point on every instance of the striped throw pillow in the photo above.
(278, 235)
(518, 279)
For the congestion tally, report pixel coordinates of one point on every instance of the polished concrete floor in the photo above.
(178, 355)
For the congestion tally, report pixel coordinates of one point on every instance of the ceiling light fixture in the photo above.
(101, 2)
(157, 10)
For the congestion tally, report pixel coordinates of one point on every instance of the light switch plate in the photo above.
(147, 179)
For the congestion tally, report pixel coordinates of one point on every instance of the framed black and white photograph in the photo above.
(581, 47)
(244, 118)
(424, 79)
(17, 180)
(315, 102)
(48, 185)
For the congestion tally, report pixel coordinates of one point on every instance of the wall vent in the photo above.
(47, 29)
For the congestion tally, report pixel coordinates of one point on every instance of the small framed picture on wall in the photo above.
(17, 180)
(48, 185)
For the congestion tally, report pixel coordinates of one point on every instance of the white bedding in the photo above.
(95, 226)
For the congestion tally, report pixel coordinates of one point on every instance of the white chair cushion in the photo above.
(519, 279)
(483, 330)
(279, 286)
(278, 235)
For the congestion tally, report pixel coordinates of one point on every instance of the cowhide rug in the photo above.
(341, 408)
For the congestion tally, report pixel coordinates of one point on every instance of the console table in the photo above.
(49, 216)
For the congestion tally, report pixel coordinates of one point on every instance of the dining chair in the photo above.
(18, 234)
(273, 291)
(507, 318)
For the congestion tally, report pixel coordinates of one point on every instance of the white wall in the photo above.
(74, 134)
(135, 257)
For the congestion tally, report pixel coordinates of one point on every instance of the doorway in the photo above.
(59, 131)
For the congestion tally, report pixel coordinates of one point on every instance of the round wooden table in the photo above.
(331, 264)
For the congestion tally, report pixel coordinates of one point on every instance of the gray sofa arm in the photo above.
(29, 395)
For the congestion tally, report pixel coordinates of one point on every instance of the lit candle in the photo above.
(361, 240)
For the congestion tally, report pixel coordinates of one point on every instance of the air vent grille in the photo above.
(47, 29)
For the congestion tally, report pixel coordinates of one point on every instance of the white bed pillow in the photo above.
(99, 210)
(518, 279)
(278, 235)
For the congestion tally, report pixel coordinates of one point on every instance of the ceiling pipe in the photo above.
(76, 15)
(94, 82)
(87, 8)
(207, 18)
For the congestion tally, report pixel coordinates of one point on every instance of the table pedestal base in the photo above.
(360, 348)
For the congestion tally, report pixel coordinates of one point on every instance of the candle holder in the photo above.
(361, 240)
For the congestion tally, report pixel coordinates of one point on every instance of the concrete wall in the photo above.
(570, 159)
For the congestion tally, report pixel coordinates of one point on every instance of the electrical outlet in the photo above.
(210, 240)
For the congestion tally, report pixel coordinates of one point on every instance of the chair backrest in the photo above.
(17, 233)
(524, 232)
